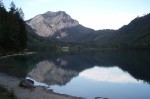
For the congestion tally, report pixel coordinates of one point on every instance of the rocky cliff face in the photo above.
(50, 22)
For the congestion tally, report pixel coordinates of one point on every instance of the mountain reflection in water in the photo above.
(117, 75)
(48, 72)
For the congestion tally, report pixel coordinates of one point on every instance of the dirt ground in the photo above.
(11, 83)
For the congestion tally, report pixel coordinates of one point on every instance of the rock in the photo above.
(97, 97)
(100, 98)
(49, 23)
(27, 83)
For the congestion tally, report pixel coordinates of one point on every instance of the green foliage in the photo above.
(1, 4)
(13, 8)
(38, 43)
(4, 94)
(13, 36)
(21, 13)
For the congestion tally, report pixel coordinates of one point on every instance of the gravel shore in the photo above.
(11, 84)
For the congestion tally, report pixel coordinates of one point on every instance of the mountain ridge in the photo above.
(134, 35)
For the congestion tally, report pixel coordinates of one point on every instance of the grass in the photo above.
(4, 94)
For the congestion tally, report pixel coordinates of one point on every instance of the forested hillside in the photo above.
(13, 35)
(38, 43)
(135, 35)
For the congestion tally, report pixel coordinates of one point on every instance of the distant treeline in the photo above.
(38, 43)
(13, 35)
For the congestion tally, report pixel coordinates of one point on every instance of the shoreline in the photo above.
(12, 84)
(17, 54)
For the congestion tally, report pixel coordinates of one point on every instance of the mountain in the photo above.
(135, 35)
(61, 27)
(57, 25)
(50, 22)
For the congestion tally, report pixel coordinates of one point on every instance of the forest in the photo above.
(13, 34)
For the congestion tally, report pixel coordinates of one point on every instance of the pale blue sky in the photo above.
(96, 14)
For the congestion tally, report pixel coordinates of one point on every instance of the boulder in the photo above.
(27, 83)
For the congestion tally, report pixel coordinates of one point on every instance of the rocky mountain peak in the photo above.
(50, 22)
(49, 14)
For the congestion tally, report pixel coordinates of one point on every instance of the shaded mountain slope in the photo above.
(135, 35)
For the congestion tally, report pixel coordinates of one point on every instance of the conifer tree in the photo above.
(13, 36)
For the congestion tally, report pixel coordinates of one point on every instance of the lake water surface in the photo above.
(116, 75)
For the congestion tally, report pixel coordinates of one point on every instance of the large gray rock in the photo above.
(27, 83)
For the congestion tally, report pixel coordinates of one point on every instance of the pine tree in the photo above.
(3, 25)
(13, 8)
(21, 13)
(13, 36)
(1, 3)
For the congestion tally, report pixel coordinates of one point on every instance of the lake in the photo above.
(115, 75)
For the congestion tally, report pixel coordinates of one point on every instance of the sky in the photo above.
(96, 14)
